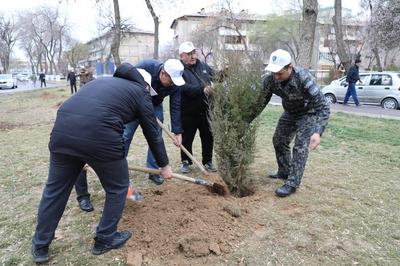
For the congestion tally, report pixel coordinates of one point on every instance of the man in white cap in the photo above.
(165, 81)
(195, 106)
(305, 117)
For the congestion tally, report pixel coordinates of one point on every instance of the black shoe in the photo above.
(40, 255)
(285, 190)
(86, 205)
(119, 240)
(275, 175)
(156, 179)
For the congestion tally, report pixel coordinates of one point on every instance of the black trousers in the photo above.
(63, 173)
(42, 81)
(190, 125)
(81, 186)
(73, 87)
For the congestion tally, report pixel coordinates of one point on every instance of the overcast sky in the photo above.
(83, 13)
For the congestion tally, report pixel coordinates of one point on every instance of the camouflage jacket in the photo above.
(300, 95)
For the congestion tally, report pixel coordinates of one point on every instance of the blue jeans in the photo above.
(130, 129)
(351, 90)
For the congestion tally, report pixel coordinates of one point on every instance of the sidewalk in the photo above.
(364, 110)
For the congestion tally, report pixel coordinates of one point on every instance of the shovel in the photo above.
(197, 163)
(213, 187)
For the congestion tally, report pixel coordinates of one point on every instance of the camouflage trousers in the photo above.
(300, 128)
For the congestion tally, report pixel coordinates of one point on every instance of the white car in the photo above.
(7, 81)
(377, 88)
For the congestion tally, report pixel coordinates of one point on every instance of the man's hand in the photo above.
(208, 90)
(166, 172)
(178, 140)
(314, 141)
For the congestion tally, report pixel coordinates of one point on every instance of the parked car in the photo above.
(377, 88)
(7, 81)
(22, 77)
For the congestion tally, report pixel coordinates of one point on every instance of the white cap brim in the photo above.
(274, 68)
(178, 81)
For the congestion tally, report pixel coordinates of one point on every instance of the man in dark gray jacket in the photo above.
(88, 129)
(305, 117)
(195, 106)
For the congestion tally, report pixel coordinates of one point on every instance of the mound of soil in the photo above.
(179, 221)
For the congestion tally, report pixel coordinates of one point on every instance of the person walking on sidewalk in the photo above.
(352, 78)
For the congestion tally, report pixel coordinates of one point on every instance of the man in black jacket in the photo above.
(352, 78)
(195, 106)
(72, 80)
(88, 129)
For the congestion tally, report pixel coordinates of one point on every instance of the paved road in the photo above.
(28, 86)
(364, 110)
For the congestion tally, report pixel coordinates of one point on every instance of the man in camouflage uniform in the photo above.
(305, 117)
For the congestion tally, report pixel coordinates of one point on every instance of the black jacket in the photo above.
(193, 99)
(353, 74)
(90, 123)
(71, 77)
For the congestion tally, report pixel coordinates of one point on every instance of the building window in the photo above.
(235, 39)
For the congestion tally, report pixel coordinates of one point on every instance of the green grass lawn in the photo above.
(346, 211)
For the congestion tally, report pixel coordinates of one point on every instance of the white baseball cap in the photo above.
(278, 59)
(186, 47)
(174, 68)
(147, 78)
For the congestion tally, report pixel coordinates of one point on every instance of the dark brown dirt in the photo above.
(179, 222)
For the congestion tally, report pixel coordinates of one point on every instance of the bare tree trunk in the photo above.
(156, 26)
(337, 24)
(116, 34)
(378, 59)
(308, 25)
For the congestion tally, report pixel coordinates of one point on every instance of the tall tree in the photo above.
(384, 28)
(116, 34)
(307, 29)
(8, 37)
(340, 44)
(156, 27)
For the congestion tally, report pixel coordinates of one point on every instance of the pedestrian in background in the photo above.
(42, 78)
(85, 76)
(33, 79)
(71, 77)
(352, 78)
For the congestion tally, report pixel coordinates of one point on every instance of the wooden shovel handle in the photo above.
(199, 165)
(174, 175)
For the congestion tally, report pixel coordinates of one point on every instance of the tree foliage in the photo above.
(232, 105)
